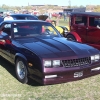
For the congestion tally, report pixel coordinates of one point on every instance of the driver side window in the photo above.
(94, 22)
(81, 20)
(7, 29)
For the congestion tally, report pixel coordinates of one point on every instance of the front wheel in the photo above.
(71, 38)
(21, 70)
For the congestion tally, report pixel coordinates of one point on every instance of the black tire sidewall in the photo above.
(72, 38)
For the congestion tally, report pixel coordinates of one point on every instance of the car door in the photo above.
(80, 25)
(93, 32)
(5, 44)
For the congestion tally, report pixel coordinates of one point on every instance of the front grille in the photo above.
(76, 62)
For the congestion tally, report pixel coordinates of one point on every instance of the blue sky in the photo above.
(52, 2)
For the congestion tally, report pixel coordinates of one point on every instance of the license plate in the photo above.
(78, 74)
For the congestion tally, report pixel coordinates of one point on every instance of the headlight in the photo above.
(92, 58)
(95, 58)
(52, 63)
(47, 63)
(56, 63)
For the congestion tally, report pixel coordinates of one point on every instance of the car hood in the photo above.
(54, 47)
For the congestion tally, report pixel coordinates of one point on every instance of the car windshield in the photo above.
(29, 29)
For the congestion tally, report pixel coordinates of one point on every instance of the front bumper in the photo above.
(70, 74)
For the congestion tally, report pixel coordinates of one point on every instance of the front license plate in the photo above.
(78, 74)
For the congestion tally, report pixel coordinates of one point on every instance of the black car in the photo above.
(38, 51)
(28, 17)
(24, 17)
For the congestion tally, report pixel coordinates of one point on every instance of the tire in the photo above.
(21, 70)
(65, 30)
(71, 38)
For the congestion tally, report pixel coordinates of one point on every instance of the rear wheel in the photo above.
(21, 70)
(71, 38)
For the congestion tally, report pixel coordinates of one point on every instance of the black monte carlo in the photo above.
(38, 51)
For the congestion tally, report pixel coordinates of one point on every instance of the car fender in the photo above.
(20, 55)
(77, 37)
(23, 57)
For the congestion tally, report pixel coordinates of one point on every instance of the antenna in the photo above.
(69, 1)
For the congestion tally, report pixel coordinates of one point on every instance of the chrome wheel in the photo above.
(21, 70)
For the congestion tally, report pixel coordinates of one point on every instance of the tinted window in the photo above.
(30, 29)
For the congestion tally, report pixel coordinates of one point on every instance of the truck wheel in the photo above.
(71, 38)
(21, 70)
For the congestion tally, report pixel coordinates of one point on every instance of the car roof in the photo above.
(24, 15)
(12, 21)
(21, 15)
(39, 17)
(86, 13)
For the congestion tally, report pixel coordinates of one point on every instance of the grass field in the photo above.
(12, 89)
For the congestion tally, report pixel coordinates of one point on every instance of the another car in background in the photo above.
(38, 51)
(28, 17)
(85, 28)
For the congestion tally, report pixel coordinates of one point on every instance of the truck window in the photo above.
(81, 20)
(94, 22)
